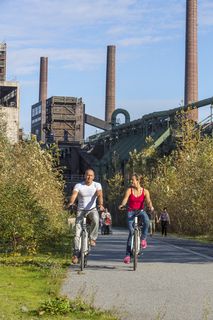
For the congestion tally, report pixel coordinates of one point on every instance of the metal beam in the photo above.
(96, 122)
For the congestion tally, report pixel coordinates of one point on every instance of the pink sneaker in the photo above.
(127, 259)
(143, 244)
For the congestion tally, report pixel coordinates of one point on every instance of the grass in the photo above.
(200, 238)
(29, 288)
(203, 238)
(22, 288)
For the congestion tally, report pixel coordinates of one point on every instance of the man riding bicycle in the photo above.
(87, 192)
(136, 195)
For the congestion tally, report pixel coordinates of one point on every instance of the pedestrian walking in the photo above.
(164, 219)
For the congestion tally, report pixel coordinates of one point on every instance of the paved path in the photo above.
(174, 279)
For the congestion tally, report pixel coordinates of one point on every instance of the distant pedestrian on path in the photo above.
(153, 219)
(165, 220)
(106, 222)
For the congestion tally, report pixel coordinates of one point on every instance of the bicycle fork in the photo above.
(85, 244)
(138, 246)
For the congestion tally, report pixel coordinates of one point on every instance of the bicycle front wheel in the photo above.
(83, 245)
(135, 250)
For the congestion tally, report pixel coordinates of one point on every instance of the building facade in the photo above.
(3, 50)
(9, 108)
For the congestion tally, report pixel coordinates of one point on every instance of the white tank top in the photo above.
(87, 195)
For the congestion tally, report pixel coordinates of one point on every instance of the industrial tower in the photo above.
(191, 57)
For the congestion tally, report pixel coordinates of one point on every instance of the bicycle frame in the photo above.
(84, 243)
(136, 242)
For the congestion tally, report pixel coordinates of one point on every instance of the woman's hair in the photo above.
(138, 177)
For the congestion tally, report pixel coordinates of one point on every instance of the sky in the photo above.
(149, 36)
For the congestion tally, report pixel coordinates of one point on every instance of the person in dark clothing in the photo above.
(165, 220)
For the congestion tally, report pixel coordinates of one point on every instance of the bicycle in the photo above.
(84, 243)
(136, 241)
(84, 247)
(136, 238)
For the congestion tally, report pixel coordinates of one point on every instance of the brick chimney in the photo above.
(191, 60)
(110, 83)
(43, 92)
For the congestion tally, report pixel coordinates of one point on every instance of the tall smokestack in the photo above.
(110, 83)
(191, 60)
(43, 79)
(43, 92)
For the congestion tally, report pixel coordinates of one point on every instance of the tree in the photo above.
(31, 196)
(183, 180)
(115, 190)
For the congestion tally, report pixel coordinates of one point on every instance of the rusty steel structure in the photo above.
(3, 50)
(43, 92)
(191, 57)
(64, 119)
(110, 83)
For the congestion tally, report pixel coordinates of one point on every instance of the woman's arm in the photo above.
(148, 200)
(125, 199)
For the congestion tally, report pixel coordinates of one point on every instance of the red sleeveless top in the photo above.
(136, 203)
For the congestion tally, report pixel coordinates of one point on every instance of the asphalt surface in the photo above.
(173, 281)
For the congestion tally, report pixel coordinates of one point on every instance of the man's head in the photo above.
(89, 176)
(165, 208)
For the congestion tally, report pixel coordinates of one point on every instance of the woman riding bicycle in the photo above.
(136, 195)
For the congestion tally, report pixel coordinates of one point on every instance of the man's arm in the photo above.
(100, 200)
(148, 200)
(125, 199)
(72, 198)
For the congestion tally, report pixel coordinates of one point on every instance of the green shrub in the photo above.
(31, 197)
(181, 181)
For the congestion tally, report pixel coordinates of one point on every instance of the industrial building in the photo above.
(3, 52)
(9, 100)
(64, 119)
(108, 152)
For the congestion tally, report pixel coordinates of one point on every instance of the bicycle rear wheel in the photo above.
(83, 244)
(135, 250)
(86, 250)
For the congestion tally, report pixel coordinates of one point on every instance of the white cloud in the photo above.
(206, 13)
(26, 61)
(140, 41)
(38, 18)
(76, 32)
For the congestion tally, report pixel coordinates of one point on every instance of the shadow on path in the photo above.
(111, 248)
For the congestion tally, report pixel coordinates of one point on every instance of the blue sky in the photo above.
(150, 41)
